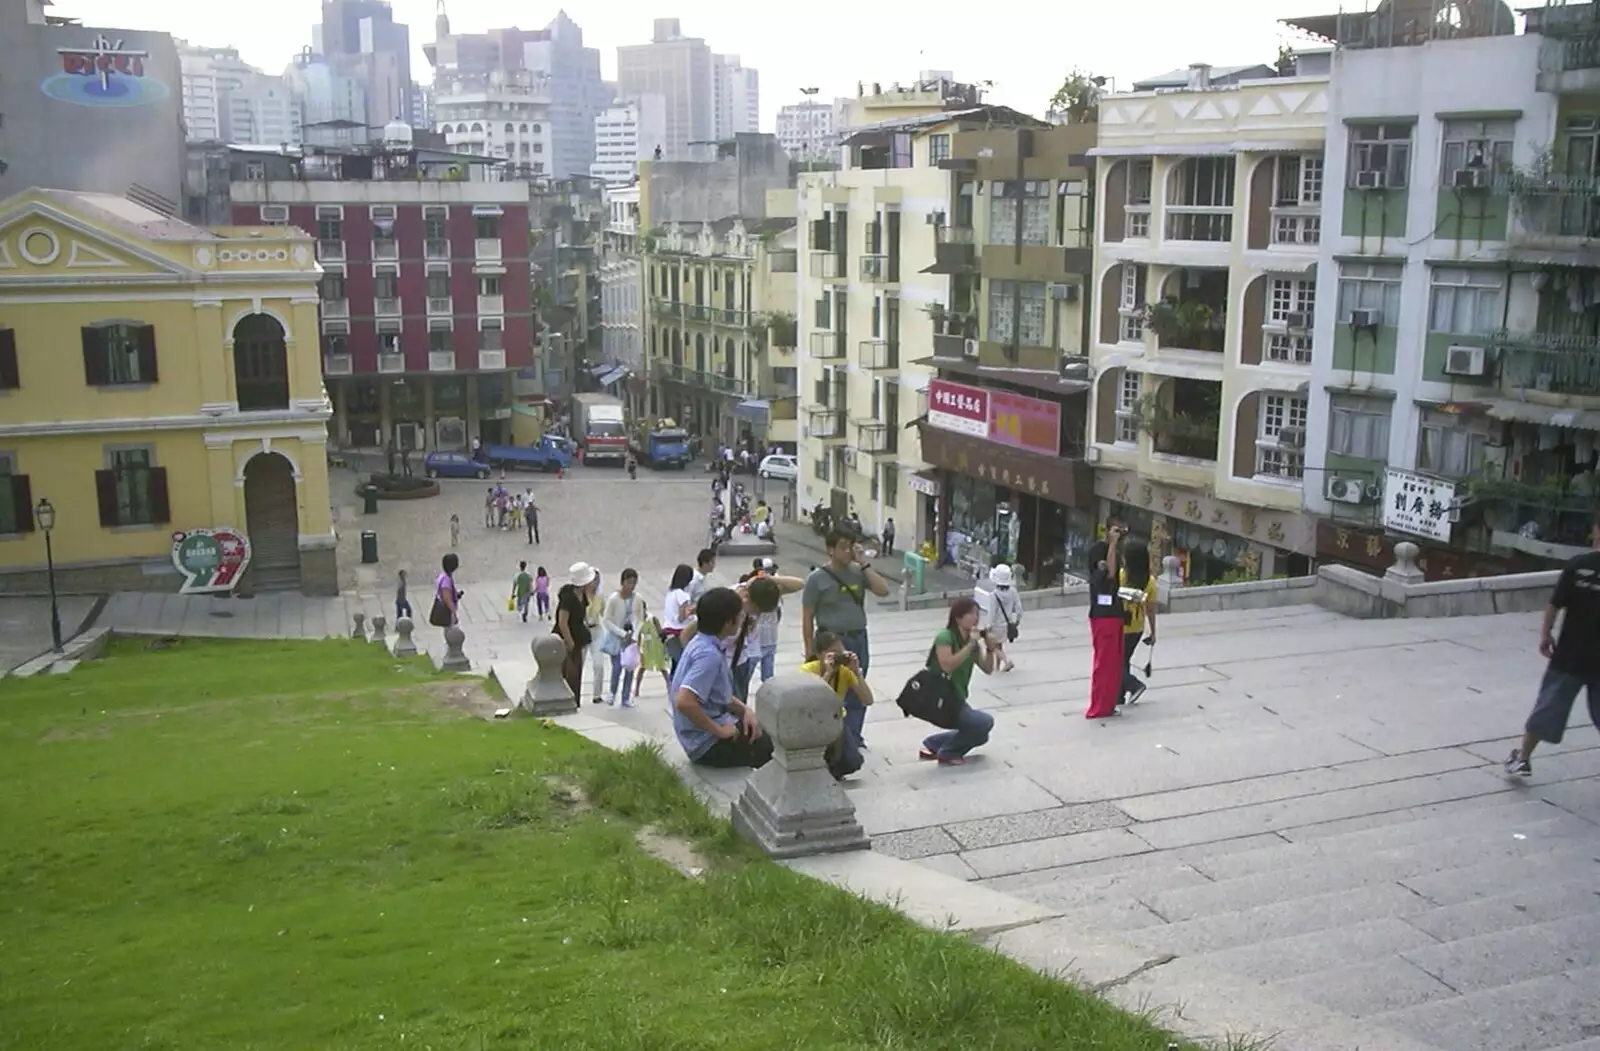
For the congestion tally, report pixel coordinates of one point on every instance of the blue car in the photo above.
(453, 465)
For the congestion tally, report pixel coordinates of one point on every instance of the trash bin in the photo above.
(369, 547)
(915, 565)
(369, 497)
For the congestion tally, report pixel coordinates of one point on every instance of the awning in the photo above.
(597, 370)
(1545, 415)
(753, 409)
(613, 374)
(1165, 366)
(925, 482)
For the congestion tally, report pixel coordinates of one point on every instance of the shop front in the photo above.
(997, 503)
(1372, 550)
(1216, 541)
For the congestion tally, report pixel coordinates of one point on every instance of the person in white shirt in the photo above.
(676, 609)
(624, 612)
(700, 584)
(1001, 609)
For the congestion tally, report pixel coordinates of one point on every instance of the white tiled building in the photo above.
(225, 99)
(503, 114)
(810, 130)
(627, 133)
(735, 97)
(621, 302)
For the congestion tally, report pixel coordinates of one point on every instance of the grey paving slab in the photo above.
(1536, 1015)
(949, 864)
(1370, 988)
(1511, 956)
(1285, 919)
(1132, 883)
(915, 843)
(1058, 850)
(1008, 793)
(1492, 878)
(1534, 902)
(1283, 959)
(1037, 824)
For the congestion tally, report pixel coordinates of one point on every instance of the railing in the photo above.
(386, 307)
(732, 318)
(1556, 364)
(1189, 223)
(1280, 462)
(435, 248)
(486, 249)
(1286, 349)
(338, 365)
(1556, 205)
(827, 346)
(825, 422)
(953, 235)
(440, 305)
(696, 312)
(441, 360)
(491, 360)
(1136, 222)
(880, 354)
(875, 268)
(874, 438)
(669, 309)
(330, 251)
(491, 305)
(825, 265)
(1296, 226)
(385, 249)
(391, 362)
(335, 308)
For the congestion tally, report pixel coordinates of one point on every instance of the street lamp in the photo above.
(45, 515)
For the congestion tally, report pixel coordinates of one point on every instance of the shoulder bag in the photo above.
(929, 695)
(1011, 625)
(439, 615)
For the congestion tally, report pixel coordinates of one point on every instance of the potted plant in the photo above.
(1183, 323)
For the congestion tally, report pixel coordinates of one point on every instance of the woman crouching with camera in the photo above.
(958, 649)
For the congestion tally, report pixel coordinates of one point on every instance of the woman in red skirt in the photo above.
(1105, 626)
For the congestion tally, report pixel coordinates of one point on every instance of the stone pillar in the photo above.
(403, 644)
(793, 807)
(547, 692)
(1172, 571)
(379, 630)
(455, 659)
(1405, 569)
(359, 629)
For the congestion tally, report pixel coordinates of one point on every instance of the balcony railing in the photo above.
(337, 365)
(953, 235)
(875, 269)
(1556, 205)
(876, 438)
(441, 361)
(825, 265)
(486, 249)
(732, 318)
(440, 306)
(330, 251)
(435, 248)
(880, 354)
(491, 360)
(1554, 364)
(827, 346)
(386, 307)
(335, 308)
(1296, 226)
(1286, 348)
(491, 305)
(1136, 222)
(386, 249)
(697, 313)
(391, 362)
(1189, 223)
(668, 309)
(825, 422)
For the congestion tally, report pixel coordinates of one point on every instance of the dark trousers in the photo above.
(1130, 681)
(572, 670)
(532, 518)
(737, 752)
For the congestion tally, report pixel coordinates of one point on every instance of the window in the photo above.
(491, 336)
(16, 498)
(819, 468)
(1130, 304)
(1002, 311)
(1359, 428)
(488, 286)
(1299, 182)
(1127, 408)
(1383, 148)
(10, 377)
(385, 284)
(1291, 296)
(438, 285)
(1466, 302)
(335, 343)
(487, 227)
(891, 484)
(132, 490)
(1475, 144)
(1447, 448)
(117, 353)
(1370, 286)
(938, 149)
(330, 224)
(332, 286)
(1033, 198)
(1280, 454)
(435, 222)
(1030, 319)
(439, 340)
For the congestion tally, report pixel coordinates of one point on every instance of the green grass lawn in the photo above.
(310, 845)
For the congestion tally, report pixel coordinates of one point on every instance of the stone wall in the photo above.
(1252, 594)
(93, 578)
(1362, 595)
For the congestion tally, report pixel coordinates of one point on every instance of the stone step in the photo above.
(1519, 954)
(1536, 1015)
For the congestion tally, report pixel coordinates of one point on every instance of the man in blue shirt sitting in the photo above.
(715, 727)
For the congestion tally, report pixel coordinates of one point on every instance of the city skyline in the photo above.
(1024, 62)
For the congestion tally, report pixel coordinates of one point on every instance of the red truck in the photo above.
(600, 427)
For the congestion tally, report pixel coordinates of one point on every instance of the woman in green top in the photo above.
(958, 649)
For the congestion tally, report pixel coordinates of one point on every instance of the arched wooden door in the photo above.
(272, 522)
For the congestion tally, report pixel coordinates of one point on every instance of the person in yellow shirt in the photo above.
(1135, 576)
(841, 670)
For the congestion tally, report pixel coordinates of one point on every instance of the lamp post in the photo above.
(45, 515)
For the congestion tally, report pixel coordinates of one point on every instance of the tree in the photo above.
(1078, 97)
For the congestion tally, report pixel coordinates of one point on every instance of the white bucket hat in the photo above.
(581, 574)
(1000, 576)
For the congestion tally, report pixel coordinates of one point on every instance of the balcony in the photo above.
(386, 249)
(1570, 63)
(338, 365)
(1296, 227)
(491, 306)
(724, 383)
(1200, 202)
(827, 346)
(668, 310)
(878, 355)
(491, 360)
(875, 269)
(697, 313)
(1286, 347)
(732, 318)
(1550, 206)
(390, 362)
(1183, 418)
(876, 438)
(386, 307)
(825, 266)
(440, 306)
(330, 251)
(825, 423)
(1548, 364)
(441, 361)
(1199, 224)
(486, 249)
(435, 248)
(954, 249)
(335, 308)
(1185, 324)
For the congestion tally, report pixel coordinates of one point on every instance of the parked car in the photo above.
(780, 465)
(453, 465)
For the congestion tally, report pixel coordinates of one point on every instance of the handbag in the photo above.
(1011, 625)
(511, 603)
(610, 641)
(929, 695)
(439, 615)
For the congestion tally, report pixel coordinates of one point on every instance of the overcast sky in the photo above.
(1024, 49)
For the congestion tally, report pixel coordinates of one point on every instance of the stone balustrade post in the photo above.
(547, 692)
(358, 629)
(404, 645)
(455, 659)
(1405, 569)
(380, 629)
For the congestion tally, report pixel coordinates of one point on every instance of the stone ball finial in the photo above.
(404, 646)
(1172, 569)
(455, 659)
(799, 712)
(358, 629)
(1405, 553)
(1405, 569)
(380, 628)
(547, 692)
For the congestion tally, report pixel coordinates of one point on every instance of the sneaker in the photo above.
(1137, 692)
(952, 760)
(1516, 766)
(612, 701)
(627, 704)
(924, 753)
(598, 700)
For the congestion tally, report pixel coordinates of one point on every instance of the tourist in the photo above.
(835, 600)
(676, 608)
(541, 592)
(1135, 576)
(521, 590)
(455, 531)
(841, 670)
(1002, 614)
(1105, 625)
(488, 509)
(652, 655)
(1574, 657)
(599, 660)
(706, 561)
(620, 619)
(572, 605)
(631, 462)
(446, 596)
(402, 605)
(888, 536)
(714, 727)
(767, 624)
(530, 518)
(958, 649)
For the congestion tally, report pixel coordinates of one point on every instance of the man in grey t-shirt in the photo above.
(835, 600)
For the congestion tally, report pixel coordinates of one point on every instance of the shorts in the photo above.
(1552, 710)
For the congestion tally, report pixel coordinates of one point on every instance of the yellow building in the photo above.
(157, 378)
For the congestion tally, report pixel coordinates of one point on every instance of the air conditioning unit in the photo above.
(1297, 321)
(970, 348)
(275, 214)
(1372, 179)
(1367, 317)
(336, 328)
(383, 213)
(1064, 292)
(1292, 436)
(1346, 490)
(1465, 361)
(934, 218)
(1470, 178)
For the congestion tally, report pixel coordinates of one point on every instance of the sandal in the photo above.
(923, 753)
(952, 760)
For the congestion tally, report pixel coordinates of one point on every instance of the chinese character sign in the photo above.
(957, 407)
(1024, 422)
(1417, 505)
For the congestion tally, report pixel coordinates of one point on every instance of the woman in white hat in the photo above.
(572, 612)
(1002, 614)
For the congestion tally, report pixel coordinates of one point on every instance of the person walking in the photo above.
(530, 518)
(455, 530)
(599, 660)
(541, 592)
(957, 649)
(1105, 625)
(488, 509)
(888, 536)
(1574, 656)
(676, 610)
(631, 462)
(706, 563)
(620, 620)
(446, 596)
(1135, 576)
(522, 590)
(572, 606)
(1002, 614)
(402, 605)
(835, 600)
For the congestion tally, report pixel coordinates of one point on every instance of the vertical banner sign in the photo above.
(1025, 423)
(957, 407)
(211, 560)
